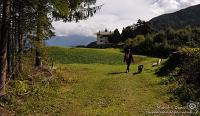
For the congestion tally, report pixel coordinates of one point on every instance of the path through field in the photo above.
(92, 82)
(104, 88)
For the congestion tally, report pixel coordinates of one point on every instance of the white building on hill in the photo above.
(102, 37)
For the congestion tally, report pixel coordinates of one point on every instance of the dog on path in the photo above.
(140, 68)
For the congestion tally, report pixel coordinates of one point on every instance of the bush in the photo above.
(183, 70)
(147, 46)
(94, 45)
(150, 49)
(20, 87)
(171, 64)
(136, 41)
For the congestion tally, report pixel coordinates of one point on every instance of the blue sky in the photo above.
(119, 14)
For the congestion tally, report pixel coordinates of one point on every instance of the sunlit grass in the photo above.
(85, 85)
(89, 56)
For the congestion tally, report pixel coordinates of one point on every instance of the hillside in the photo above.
(69, 40)
(177, 20)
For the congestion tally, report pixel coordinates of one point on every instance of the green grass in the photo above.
(88, 56)
(92, 82)
(102, 92)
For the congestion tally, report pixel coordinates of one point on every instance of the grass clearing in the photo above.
(94, 88)
(88, 56)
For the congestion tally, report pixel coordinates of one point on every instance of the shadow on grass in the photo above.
(115, 73)
(136, 73)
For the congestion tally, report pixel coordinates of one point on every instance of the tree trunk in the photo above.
(20, 38)
(9, 69)
(38, 59)
(20, 42)
(3, 44)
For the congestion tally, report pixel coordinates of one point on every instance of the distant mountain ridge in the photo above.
(70, 40)
(186, 17)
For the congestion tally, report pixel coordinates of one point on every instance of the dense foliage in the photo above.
(115, 37)
(164, 43)
(183, 70)
(140, 28)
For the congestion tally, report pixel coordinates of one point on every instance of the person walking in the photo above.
(128, 58)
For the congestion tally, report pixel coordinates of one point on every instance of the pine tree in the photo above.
(115, 37)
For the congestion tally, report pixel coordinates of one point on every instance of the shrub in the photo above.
(136, 41)
(20, 87)
(183, 70)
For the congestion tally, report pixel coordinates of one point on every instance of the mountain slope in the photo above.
(177, 20)
(70, 40)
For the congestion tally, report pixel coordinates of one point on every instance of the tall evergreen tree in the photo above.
(115, 37)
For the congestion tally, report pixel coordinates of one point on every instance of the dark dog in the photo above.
(140, 68)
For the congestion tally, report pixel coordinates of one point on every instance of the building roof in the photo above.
(104, 33)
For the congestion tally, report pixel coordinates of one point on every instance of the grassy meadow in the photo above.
(93, 82)
(88, 56)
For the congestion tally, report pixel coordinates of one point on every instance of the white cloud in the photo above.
(168, 6)
(121, 13)
(114, 14)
